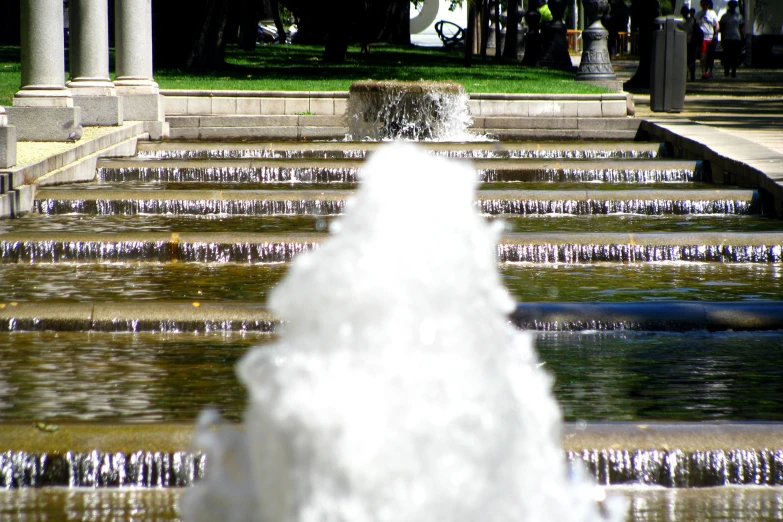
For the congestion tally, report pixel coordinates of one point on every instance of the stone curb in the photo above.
(76, 163)
(732, 160)
(663, 316)
(173, 437)
(254, 317)
(205, 103)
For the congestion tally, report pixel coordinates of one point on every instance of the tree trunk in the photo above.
(511, 45)
(485, 22)
(643, 14)
(209, 48)
(496, 14)
(274, 10)
(399, 23)
(248, 13)
(470, 35)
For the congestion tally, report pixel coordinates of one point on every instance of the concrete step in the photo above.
(251, 127)
(239, 316)
(482, 149)
(541, 247)
(325, 170)
(684, 455)
(579, 202)
(548, 123)
(669, 316)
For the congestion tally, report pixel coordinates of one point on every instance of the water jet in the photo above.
(395, 393)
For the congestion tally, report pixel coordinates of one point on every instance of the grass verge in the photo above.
(10, 73)
(299, 68)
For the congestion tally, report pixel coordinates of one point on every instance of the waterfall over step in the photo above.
(389, 110)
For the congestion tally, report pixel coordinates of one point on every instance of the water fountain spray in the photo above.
(398, 390)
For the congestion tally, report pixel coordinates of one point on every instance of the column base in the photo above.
(143, 107)
(158, 130)
(46, 123)
(7, 146)
(101, 111)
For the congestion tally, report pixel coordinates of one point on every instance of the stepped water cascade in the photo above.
(392, 374)
(397, 390)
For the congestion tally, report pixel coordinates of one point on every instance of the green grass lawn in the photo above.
(10, 74)
(299, 68)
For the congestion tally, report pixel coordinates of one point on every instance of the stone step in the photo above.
(233, 316)
(252, 127)
(683, 455)
(310, 170)
(481, 149)
(669, 316)
(551, 123)
(138, 316)
(307, 127)
(521, 202)
(542, 247)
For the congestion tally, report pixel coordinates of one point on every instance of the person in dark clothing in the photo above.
(732, 35)
(688, 25)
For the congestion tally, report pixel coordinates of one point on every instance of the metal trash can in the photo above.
(667, 79)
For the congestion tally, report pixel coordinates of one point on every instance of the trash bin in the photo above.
(667, 84)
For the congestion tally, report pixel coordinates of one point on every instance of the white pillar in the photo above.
(43, 109)
(89, 47)
(133, 38)
(43, 49)
(90, 84)
(140, 94)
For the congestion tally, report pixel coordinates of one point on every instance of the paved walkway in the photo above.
(749, 106)
(735, 123)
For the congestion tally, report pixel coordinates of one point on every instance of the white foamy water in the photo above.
(398, 391)
(395, 114)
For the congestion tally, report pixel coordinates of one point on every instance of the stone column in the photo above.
(7, 141)
(43, 108)
(90, 84)
(133, 38)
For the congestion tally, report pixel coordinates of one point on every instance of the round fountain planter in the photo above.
(595, 64)
(382, 110)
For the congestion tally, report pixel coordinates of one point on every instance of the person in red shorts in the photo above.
(707, 20)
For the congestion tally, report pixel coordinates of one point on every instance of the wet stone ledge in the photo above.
(100, 469)
(148, 469)
(248, 153)
(650, 316)
(627, 253)
(229, 174)
(253, 170)
(112, 207)
(675, 468)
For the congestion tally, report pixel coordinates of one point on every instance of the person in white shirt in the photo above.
(732, 34)
(707, 20)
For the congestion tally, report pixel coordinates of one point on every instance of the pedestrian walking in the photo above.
(688, 25)
(732, 35)
(707, 20)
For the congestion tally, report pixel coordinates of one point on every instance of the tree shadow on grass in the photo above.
(297, 67)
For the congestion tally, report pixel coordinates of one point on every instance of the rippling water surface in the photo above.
(724, 504)
(598, 376)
